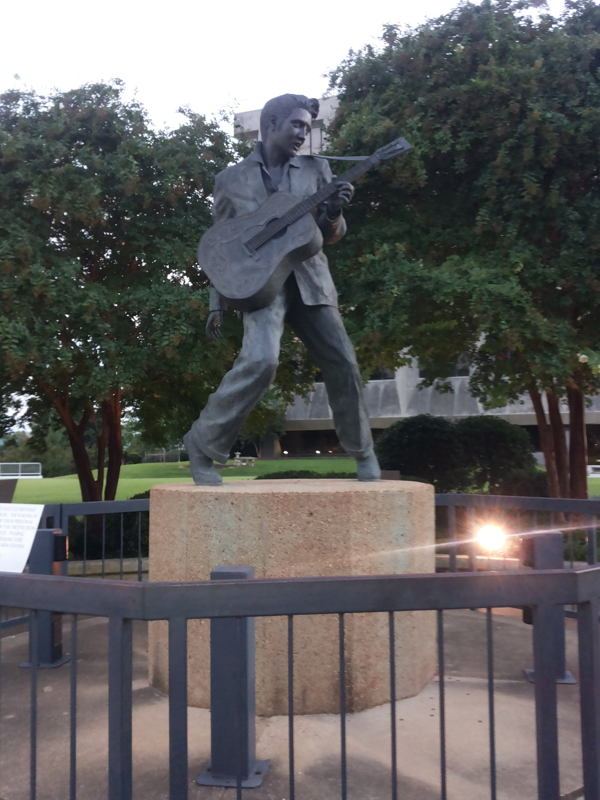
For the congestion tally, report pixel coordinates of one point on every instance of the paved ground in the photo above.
(317, 737)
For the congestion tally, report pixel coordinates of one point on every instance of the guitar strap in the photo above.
(345, 158)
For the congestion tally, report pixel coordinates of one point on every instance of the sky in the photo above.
(222, 54)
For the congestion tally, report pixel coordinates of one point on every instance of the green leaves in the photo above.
(100, 293)
(483, 241)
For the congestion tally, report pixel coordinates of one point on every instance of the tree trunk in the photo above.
(546, 441)
(560, 444)
(101, 438)
(90, 489)
(112, 414)
(578, 443)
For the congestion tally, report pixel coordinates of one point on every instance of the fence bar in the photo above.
(139, 545)
(33, 634)
(491, 713)
(239, 730)
(592, 544)
(291, 703)
(1, 612)
(84, 546)
(393, 705)
(343, 703)
(452, 536)
(470, 535)
(544, 654)
(73, 713)
(121, 567)
(103, 543)
(119, 708)
(589, 692)
(178, 727)
(12, 622)
(442, 698)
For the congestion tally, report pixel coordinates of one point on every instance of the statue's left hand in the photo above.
(345, 192)
(213, 324)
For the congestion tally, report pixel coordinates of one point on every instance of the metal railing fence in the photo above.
(123, 602)
(463, 511)
(522, 515)
(95, 531)
(90, 537)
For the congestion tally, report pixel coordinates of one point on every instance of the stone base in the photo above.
(300, 528)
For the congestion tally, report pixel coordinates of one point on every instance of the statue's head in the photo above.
(278, 109)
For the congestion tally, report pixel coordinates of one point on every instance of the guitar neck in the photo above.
(306, 205)
(330, 188)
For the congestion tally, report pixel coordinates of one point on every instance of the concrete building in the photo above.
(309, 424)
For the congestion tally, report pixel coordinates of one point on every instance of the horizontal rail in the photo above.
(104, 507)
(555, 504)
(205, 599)
(21, 469)
(11, 622)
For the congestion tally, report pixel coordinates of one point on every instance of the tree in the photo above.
(485, 240)
(425, 447)
(483, 454)
(494, 451)
(103, 305)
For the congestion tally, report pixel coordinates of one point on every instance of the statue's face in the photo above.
(288, 136)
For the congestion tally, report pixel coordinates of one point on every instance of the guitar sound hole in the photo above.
(280, 233)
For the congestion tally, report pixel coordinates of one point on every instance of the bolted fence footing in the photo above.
(566, 678)
(232, 704)
(253, 781)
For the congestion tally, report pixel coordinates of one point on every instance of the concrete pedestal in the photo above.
(300, 528)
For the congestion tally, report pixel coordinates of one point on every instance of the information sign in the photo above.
(18, 525)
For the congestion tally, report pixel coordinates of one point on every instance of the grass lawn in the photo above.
(137, 478)
(594, 486)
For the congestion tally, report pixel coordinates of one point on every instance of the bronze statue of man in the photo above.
(307, 301)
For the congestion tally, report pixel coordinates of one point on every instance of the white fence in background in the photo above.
(31, 469)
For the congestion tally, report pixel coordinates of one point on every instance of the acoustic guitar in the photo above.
(249, 258)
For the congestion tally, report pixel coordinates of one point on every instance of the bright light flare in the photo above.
(491, 538)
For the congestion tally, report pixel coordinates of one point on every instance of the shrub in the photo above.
(425, 447)
(475, 453)
(132, 458)
(303, 473)
(495, 450)
(524, 483)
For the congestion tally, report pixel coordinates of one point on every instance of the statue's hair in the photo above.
(281, 107)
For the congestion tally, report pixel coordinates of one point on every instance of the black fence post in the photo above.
(49, 548)
(546, 722)
(589, 687)
(120, 693)
(546, 551)
(232, 705)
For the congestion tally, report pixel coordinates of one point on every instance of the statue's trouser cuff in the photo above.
(322, 331)
(220, 458)
(359, 453)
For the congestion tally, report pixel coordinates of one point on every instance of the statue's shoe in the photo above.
(201, 466)
(367, 468)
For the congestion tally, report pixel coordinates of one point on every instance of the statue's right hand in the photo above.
(213, 324)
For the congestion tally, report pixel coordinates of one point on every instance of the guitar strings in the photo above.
(261, 238)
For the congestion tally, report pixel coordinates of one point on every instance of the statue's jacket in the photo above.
(242, 189)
